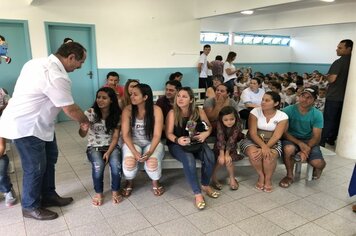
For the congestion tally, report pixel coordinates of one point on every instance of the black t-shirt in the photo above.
(336, 90)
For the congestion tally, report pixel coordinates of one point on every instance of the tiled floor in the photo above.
(320, 207)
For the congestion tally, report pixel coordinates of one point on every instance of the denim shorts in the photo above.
(315, 152)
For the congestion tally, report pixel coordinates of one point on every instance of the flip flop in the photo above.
(116, 198)
(317, 173)
(235, 186)
(97, 201)
(286, 182)
(126, 192)
(259, 186)
(158, 191)
(268, 189)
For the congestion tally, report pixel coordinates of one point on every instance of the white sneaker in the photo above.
(10, 198)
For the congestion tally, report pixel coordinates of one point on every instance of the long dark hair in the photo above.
(111, 122)
(227, 111)
(149, 119)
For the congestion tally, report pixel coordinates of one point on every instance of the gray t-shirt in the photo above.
(210, 103)
(336, 90)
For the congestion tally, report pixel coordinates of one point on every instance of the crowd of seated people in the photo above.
(186, 128)
(270, 102)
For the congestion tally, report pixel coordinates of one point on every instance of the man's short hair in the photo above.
(206, 46)
(71, 48)
(112, 73)
(177, 84)
(218, 58)
(348, 43)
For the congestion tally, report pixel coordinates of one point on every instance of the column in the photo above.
(346, 139)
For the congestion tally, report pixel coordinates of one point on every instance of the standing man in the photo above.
(203, 67)
(337, 78)
(42, 90)
(303, 136)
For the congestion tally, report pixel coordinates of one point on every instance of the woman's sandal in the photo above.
(97, 201)
(200, 204)
(126, 192)
(268, 189)
(259, 186)
(116, 198)
(234, 186)
(211, 193)
(158, 191)
(216, 185)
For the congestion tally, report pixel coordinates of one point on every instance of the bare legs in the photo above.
(264, 166)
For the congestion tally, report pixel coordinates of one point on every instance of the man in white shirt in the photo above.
(42, 90)
(203, 68)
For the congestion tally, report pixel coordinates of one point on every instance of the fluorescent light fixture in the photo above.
(247, 12)
(328, 0)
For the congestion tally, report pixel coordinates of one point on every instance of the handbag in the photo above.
(263, 134)
(193, 147)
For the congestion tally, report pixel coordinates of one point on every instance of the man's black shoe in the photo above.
(56, 200)
(330, 142)
(39, 214)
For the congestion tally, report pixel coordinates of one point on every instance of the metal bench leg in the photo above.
(297, 170)
(310, 172)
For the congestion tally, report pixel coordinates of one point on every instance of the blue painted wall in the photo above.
(155, 77)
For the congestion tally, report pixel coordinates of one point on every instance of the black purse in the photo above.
(195, 146)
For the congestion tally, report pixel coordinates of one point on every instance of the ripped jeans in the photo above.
(98, 166)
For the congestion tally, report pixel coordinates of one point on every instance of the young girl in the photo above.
(228, 135)
(104, 117)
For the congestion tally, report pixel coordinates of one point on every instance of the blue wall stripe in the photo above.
(156, 77)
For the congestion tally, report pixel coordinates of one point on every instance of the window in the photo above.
(255, 39)
(214, 38)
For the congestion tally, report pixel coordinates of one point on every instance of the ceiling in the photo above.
(275, 9)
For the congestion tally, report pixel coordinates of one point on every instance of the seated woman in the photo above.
(141, 125)
(217, 80)
(102, 148)
(212, 106)
(127, 92)
(251, 97)
(266, 126)
(181, 124)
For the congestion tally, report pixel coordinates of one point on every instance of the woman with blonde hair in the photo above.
(187, 128)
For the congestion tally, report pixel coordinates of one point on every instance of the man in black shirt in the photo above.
(337, 78)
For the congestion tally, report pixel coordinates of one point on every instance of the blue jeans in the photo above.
(5, 183)
(207, 158)
(98, 167)
(38, 159)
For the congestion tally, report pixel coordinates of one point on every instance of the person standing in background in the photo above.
(230, 71)
(203, 67)
(217, 66)
(42, 90)
(337, 78)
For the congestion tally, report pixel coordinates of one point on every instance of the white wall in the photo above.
(129, 34)
(315, 33)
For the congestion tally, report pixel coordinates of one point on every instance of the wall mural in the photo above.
(3, 50)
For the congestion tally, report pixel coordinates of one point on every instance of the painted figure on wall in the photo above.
(3, 50)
